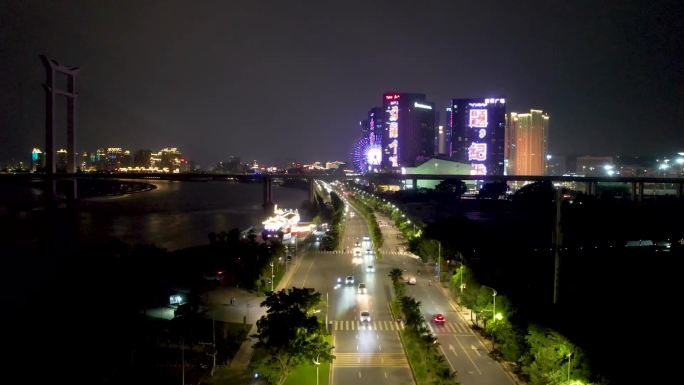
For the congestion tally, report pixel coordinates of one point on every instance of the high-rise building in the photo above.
(408, 135)
(37, 160)
(166, 158)
(441, 140)
(142, 158)
(526, 142)
(62, 159)
(477, 134)
(84, 162)
(117, 158)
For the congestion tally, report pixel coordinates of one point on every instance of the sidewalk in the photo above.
(244, 355)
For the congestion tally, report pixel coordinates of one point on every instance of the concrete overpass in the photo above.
(591, 183)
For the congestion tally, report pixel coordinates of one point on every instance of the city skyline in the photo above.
(226, 81)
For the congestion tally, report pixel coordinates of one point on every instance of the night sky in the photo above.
(273, 80)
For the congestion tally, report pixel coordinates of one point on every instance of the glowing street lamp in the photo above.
(494, 305)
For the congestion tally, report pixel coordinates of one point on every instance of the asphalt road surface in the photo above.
(366, 352)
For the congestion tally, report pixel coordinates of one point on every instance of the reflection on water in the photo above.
(175, 215)
(181, 214)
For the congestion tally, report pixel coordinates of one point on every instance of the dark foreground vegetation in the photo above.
(84, 312)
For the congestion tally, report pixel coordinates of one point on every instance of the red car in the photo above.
(438, 319)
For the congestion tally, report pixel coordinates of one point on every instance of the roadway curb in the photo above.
(413, 375)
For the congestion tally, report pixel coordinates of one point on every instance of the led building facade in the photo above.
(37, 160)
(409, 130)
(527, 142)
(477, 134)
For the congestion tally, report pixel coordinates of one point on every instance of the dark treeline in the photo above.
(608, 292)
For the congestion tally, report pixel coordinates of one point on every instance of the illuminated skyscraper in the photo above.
(527, 142)
(441, 140)
(37, 160)
(62, 159)
(408, 135)
(477, 134)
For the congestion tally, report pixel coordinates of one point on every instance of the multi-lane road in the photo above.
(366, 352)
(371, 352)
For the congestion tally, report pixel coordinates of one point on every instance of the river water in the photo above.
(181, 214)
(174, 215)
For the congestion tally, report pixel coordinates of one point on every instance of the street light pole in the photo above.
(569, 360)
(327, 308)
(317, 363)
(494, 306)
(439, 260)
(272, 276)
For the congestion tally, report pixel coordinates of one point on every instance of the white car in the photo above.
(412, 280)
(365, 316)
(370, 269)
(362, 288)
(349, 280)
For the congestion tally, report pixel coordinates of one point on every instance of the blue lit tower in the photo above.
(478, 128)
(408, 135)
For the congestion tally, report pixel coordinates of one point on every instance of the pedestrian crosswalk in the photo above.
(388, 325)
(370, 360)
(383, 252)
(351, 325)
(450, 328)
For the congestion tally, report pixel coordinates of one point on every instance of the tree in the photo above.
(288, 334)
(396, 275)
(493, 190)
(452, 186)
(411, 309)
(547, 358)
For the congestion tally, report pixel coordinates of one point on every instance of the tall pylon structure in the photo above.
(54, 70)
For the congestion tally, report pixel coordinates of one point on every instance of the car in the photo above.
(357, 244)
(412, 280)
(362, 288)
(366, 238)
(357, 252)
(369, 251)
(438, 319)
(349, 280)
(365, 316)
(370, 269)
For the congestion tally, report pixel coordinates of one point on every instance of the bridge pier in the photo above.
(591, 188)
(72, 193)
(268, 192)
(312, 191)
(637, 191)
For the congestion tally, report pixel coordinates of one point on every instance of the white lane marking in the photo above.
(386, 375)
(447, 357)
(474, 348)
(359, 374)
(453, 350)
(468, 356)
